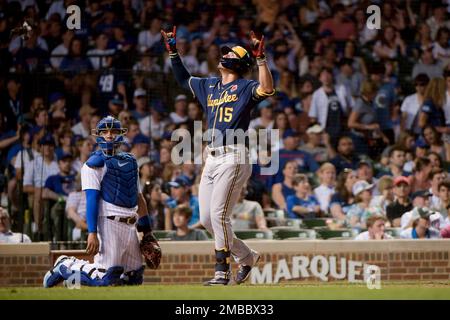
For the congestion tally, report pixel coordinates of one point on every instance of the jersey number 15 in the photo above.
(225, 114)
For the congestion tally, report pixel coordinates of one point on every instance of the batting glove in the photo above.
(170, 40)
(257, 47)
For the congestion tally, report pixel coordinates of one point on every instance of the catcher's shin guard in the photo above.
(134, 277)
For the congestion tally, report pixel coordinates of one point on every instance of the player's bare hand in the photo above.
(257, 46)
(170, 40)
(92, 244)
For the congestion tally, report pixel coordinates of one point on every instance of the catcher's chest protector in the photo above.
(119, 185)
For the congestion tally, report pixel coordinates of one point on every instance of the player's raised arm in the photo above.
(265, 87)
(180, 72)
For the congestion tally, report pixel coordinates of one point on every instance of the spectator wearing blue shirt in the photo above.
(76, 60)
(432, 111)
(56, 189)
(384, 101)
(302, 204)
(281, 190)
(342, 200)
(290, 152)
(346, 158)
(180, 193)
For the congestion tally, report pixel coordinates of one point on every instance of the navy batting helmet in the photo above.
(240, 65)
(109, 123)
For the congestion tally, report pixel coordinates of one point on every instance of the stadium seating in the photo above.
(325, 233)
(312, 223)
(162, 235)
(253, 234)
(288, 233)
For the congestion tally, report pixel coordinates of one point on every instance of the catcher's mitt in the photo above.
(151, 250)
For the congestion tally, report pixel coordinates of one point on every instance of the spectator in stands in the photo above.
(358, 213)
(100, 56)
(346, 157)
(265, 120)
(305, 161)
(180, 114)
(419, 179)
(140, 104)
(247, 214)
(386, 196)
(342, 28)
(364, 171)
(181, 194)
(82, 128)
(390, 45)
(428, 65)
(401, 204)
(349, 78)
(56, 189)
(376, 226)
(441, 49)
(76, 211)
(303, 204)
(208, 68)
(365, 129)
(420, 226)
(319, 144)
(140, 146)
(116, 105)
(419, 199)
(159, 214)
(329, 105)
(154, 124)
(84, 149)
(62, 50)
(40, 118)
(184, 230)
(411, 104)
(76, 60)
(342, 200)
(434, 139)
(280, 123)
(31, 57)
(437, 175)
(43, 166)
(438, 19)
(281, 190)
(397, 160)
(326, 188)
(384, 100)
(432, 111)
(6, 236)
(148, 38)
(441, 212)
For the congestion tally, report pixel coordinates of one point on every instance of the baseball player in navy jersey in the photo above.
(227, 102)
(114, 203)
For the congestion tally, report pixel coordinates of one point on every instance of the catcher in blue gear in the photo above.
(114, 203)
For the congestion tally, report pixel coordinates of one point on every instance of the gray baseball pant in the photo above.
(220, 186)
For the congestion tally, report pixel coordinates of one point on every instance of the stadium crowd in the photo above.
(363, 114)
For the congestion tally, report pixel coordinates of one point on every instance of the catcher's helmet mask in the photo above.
(109, 123)
(240, 65)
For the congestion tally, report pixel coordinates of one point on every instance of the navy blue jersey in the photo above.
(226, 106)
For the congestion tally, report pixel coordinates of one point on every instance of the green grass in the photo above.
(400, 291)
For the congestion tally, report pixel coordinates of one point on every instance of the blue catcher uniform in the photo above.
(227, 168)
(111, 183)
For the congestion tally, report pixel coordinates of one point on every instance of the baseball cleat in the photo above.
(221, 278)
(244, 270)
(53, 277)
